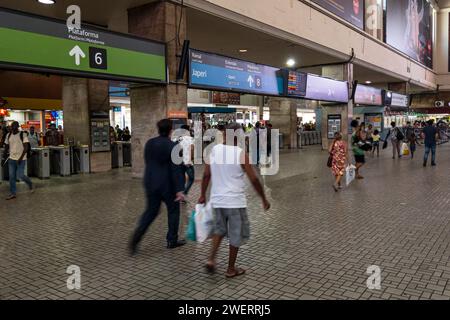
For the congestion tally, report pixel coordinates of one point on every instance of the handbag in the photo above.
(330, 157)
(385, 144)
(367, 146)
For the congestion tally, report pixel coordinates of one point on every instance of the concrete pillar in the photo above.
(345, 73)
(80, 97)
(283, 116)
(157, 21)
(76, 109)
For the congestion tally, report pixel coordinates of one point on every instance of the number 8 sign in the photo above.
(98, 58)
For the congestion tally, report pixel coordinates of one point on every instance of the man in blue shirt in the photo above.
(430, 135)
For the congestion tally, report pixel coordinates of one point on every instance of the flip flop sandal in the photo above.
(238, 272)
(210, 268)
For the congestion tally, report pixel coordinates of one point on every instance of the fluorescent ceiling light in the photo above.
(243, 50)
(46, 1)
(290, 62)
(368, 82)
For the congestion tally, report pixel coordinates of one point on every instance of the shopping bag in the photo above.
(405, 149)
(203, 222)
(350, 173)
(191, 233)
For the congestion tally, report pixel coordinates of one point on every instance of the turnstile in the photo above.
(60, 161)
(117, 155)
(281, 137)
(39, 163)
(80, 160)
(127, 154)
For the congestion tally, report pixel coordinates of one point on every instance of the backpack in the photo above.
(400, 136)
(29, 152)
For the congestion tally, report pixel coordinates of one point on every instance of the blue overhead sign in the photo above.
(211, 71)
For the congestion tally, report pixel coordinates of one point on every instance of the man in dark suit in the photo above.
(163, 182)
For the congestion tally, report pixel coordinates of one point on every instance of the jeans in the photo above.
(429, 148)
(190, 172)
(17, 171)
(154, 200)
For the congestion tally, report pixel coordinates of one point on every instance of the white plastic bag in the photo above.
(350, 173)
(203, 222)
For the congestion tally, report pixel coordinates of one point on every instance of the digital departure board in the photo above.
(295, 83)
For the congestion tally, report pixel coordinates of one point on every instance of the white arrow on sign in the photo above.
(251, 81)
(78, 53)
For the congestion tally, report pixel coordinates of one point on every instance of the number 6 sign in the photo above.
(98, 58)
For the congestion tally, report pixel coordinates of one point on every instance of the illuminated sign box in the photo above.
(39, 44)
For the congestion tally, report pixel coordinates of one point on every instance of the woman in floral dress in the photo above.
(339, 152)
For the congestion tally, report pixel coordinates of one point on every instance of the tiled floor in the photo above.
(313, 244)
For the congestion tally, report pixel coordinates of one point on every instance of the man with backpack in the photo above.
(18, 147)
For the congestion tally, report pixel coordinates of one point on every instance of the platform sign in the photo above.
(40, 44)
(220, 73)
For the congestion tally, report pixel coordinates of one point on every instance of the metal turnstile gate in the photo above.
(60, 161)
(39, 163)
(80, 160)
(117, 155)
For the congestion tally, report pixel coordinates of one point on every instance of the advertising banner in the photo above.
(374, 18)
(409, 29)
(350, 10)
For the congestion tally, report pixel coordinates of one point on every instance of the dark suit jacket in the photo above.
(161, 174)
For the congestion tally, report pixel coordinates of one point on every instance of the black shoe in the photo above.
(424, 164)
(132, 248)
(177, 244)
(433, 164)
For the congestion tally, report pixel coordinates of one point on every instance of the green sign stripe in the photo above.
(40, 50)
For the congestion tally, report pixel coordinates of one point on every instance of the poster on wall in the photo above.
(409, 29)
(350, 10)
(334, 124)
(375, 119)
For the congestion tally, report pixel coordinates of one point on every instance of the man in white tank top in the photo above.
(226, 171)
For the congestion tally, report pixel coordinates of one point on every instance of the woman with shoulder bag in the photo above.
(338, 159)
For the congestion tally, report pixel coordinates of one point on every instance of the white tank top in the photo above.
(227, 177)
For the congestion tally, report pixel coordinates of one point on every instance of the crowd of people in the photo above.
(54, 136)
(366, 140)
(117, 134)
(309, 126)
